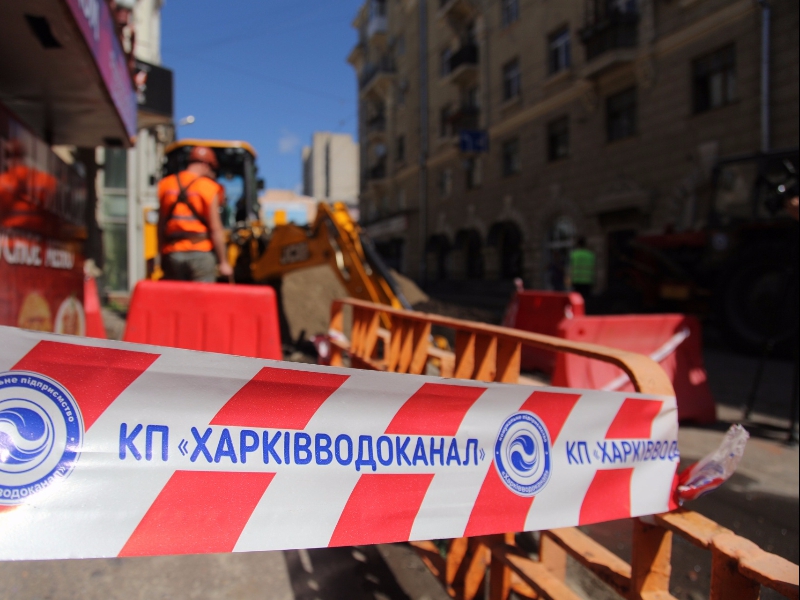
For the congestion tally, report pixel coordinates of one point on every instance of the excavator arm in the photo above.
(333, 239)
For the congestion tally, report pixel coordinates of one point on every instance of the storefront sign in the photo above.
(42, 204)
(99, 32)
(153, 89)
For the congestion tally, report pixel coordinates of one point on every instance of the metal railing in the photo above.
(466, 55)
(609, 29)
(384, 66)
(492, 353)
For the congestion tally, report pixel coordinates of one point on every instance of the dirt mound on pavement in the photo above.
(308, 294)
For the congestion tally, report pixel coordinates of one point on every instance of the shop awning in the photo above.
(64, 74)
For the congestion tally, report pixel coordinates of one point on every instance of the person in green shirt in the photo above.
(582, 266)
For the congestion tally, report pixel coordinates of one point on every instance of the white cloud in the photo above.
(288, 143)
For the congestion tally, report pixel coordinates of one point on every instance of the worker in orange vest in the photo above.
(190, 229)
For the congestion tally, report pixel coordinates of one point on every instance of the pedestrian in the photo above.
(556, 271)
(582, 266)
(190, 229)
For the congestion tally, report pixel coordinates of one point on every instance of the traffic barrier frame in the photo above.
(232, 319)
(492, 353)
(542, 311)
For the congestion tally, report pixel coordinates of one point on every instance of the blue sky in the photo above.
(270, 72)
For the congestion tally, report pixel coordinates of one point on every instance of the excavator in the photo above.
(262, 254)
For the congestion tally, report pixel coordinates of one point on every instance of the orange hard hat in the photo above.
(204, 155)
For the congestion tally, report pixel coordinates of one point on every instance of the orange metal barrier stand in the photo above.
(491, 353)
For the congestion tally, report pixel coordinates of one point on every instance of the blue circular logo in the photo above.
(41, 434)
(522, 454)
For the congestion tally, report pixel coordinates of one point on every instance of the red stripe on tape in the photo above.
(198, 513)
(553, 408)
(94, 376)
(435, 409)
(381, 509)
(499, 509)
(608, 497)
(634, 419)
(279, 399)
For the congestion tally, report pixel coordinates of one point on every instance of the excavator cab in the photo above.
(237, 175)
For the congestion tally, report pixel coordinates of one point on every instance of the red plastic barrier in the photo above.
(91, 308)
(674, 341)
(541, 312)
(231, 319)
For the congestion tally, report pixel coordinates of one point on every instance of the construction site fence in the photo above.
(490, 353)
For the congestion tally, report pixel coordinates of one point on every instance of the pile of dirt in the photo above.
(307, 296)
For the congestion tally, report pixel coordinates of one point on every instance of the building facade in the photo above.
(330, 168)
(128, 178)
(494, 133)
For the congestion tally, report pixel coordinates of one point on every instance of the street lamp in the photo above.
(186, 121)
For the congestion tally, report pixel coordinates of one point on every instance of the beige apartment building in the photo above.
(330, 168)
(494, 133)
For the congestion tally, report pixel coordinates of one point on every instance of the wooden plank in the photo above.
(499, 573)
(553, 556)
(398, 324)
(429, 554)
(419, 357)
(372, 322)
(755, 565)
(727, 583)
(509, 353)
(485, 358)
(650, 564)
(406, 347)
(520, 588)
(478, 558)
(597, 558)
(455, 555)
(536, 575)
(691, 526)
(465, 354)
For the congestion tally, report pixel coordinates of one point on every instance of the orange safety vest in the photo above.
(17, 209)
(185, 210)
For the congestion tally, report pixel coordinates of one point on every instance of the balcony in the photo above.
(377, 23)
(464, 65)
(376, 128)
(457, 12)
(611, 39)
(377, 172)
(466, 117)
(377, 76)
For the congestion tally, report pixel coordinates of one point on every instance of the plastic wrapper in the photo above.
(716, 468)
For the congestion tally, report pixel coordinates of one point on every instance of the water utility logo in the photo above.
(41, 433)
(522, 454)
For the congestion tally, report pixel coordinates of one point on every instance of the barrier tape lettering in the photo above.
(113, 449)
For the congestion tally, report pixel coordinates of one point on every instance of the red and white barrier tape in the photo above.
(112, 449)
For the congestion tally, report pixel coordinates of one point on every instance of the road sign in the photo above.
(474, 140)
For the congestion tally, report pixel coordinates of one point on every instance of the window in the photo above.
(401, 199)
(621, 115)
(512, 83)
(402, 90)
(445, 122)
(510, 11)
(444, 61)
(558, 51)
(715, 79)
(400, 45)
(116, 168)
(445, 182)
(472, 168)
(400, 148)
(558, 139)
(511, 162)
